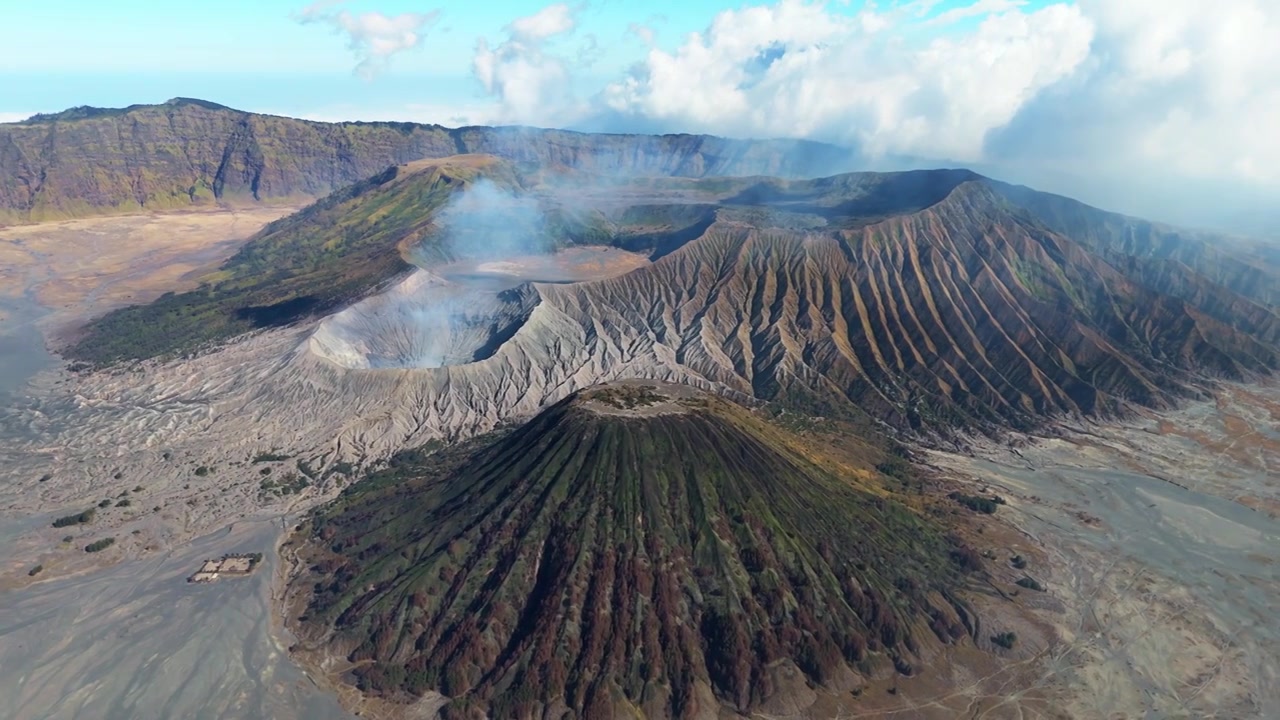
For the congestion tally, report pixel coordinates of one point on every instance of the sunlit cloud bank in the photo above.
(1188, 86)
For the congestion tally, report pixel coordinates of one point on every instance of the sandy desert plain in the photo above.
(1155, 537)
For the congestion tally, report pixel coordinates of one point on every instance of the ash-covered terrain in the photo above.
(440, 300)
(1161, 536)
(136, 640)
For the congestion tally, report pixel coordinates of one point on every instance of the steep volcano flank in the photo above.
(659, 559)
(966, 312)
(1248, 269)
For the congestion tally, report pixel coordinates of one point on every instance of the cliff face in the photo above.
(87, 161)
(188, 153)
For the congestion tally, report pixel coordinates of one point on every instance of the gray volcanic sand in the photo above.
(136, 641)
(22, 348)
(1171, 587)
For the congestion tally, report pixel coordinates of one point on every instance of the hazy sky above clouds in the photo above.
(1138, 105)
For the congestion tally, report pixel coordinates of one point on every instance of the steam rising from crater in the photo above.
(472, 292)
(486, 221)
(424, 322)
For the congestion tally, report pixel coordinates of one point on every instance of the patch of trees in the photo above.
(966, 558)
(1030, 583)
(307, 471)
(269, 457)
(896, 468)
(290, 484)
(77, 519)
(35, 571)
(1005, 639)
(897, 463)
(977, 503)
(99, 545)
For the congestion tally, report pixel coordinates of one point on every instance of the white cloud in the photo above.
(977, 9)
(795, 69)
(548, 22)
(11, 117)
(1201, 80)
(1143, 98)
(647, 31)
(372, 36)
(642, 31)
(1132, 95)
(532, 83)
(1174, 115)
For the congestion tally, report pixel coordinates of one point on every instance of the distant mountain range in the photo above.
(184, 153)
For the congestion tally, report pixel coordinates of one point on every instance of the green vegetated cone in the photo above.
(628, 551)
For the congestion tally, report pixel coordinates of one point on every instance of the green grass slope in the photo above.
(313, 261)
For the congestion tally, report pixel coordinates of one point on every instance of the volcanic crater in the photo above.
(459, 312)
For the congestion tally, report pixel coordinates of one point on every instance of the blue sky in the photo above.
(1163, 108)
(255, 55)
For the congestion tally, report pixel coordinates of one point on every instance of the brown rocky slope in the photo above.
(962, 313)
